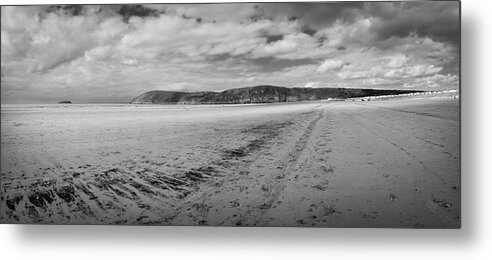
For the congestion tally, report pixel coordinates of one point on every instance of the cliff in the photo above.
(259, 94)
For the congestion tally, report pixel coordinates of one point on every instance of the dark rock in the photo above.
(65, 102)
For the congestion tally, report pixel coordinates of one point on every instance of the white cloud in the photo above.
(52, 39)
(315, 84)
(329, 65)
(98, 55)
(413, 71)
(438, 81)
(397, 60)
(343, 34)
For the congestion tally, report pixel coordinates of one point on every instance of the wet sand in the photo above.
(322, 164)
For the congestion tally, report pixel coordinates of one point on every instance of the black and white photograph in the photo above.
(295, 114)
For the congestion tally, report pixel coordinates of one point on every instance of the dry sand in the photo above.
(325, 164)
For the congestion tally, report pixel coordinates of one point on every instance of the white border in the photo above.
(471, 242)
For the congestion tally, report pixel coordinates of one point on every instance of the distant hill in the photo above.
(259, 94)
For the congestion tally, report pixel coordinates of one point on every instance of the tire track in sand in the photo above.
(409, 154)
(257, 216)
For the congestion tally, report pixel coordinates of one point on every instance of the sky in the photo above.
(112, 53)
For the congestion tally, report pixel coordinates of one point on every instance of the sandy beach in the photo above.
(322, 164)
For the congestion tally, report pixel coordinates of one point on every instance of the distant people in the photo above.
(186, 107)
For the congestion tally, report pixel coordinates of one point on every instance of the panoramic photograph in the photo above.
(328, 114)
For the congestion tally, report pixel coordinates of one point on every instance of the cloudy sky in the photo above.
(113, 53)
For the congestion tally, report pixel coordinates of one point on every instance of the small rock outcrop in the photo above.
(65, 102)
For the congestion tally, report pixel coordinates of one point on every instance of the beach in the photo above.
(386, 163)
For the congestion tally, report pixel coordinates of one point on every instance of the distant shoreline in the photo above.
(419, 94)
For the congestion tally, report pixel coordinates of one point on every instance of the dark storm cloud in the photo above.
(127, 11)
(274, 38)
(308, 31)
(66, 9)
(438, 20)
